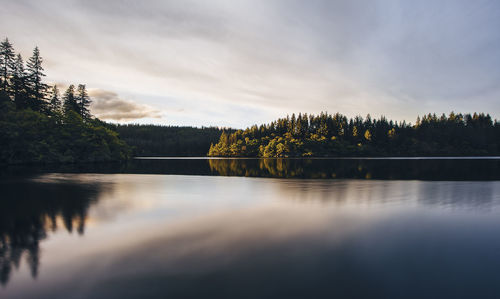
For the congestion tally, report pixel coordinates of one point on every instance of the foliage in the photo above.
(29, 136)
(336, 135)
(151, 140)
(35, 128)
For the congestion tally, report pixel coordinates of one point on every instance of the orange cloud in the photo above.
(107, 105)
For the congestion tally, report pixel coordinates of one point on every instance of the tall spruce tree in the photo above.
(55, 101)
(7, 58)
(83, 101)
(19, 87)
(69, 99)
(38, 89)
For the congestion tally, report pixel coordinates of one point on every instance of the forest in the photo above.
(327, 135)
(37, 124)
(154, 140)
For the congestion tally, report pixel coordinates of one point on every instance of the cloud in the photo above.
(248, 61)
(107, 105)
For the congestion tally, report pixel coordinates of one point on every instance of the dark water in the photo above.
(252, 229)
(462, 169)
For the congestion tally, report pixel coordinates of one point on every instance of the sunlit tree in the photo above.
(368, 135)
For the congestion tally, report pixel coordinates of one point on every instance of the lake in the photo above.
(252, 228)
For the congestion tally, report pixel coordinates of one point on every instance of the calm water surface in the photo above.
(252, 229)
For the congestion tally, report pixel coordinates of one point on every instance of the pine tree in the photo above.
(38, 89)
(69, 99)
(55, 102)
(7, 58)
(19, 88)
(83, 101)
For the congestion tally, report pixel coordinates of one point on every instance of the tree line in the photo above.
(38, 125)
(155, 140)
(306, 135)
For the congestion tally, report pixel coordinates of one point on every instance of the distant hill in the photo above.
(154, 140)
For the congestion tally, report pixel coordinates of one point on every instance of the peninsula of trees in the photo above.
(327, 135)
(38, 125)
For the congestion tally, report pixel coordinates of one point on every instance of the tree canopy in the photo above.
(35, 126)
(155, 140)
(336, 135)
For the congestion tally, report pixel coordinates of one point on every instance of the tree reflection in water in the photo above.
(455, 169)
(27, 214)
(384, 169)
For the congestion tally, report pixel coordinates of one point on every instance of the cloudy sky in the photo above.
(237, 62)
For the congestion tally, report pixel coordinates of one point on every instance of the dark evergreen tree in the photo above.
(40, 134)
(83, 101)
(7, 58)
(55, 101)
(69, 100)
(5, 103)
(37, 88)
(19, 84)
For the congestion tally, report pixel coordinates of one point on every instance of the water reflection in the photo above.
(457, 195)
(235, 237)
(383, 169)
(29, 210)
(399, 169)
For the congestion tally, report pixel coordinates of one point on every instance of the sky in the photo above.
(235, 63)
